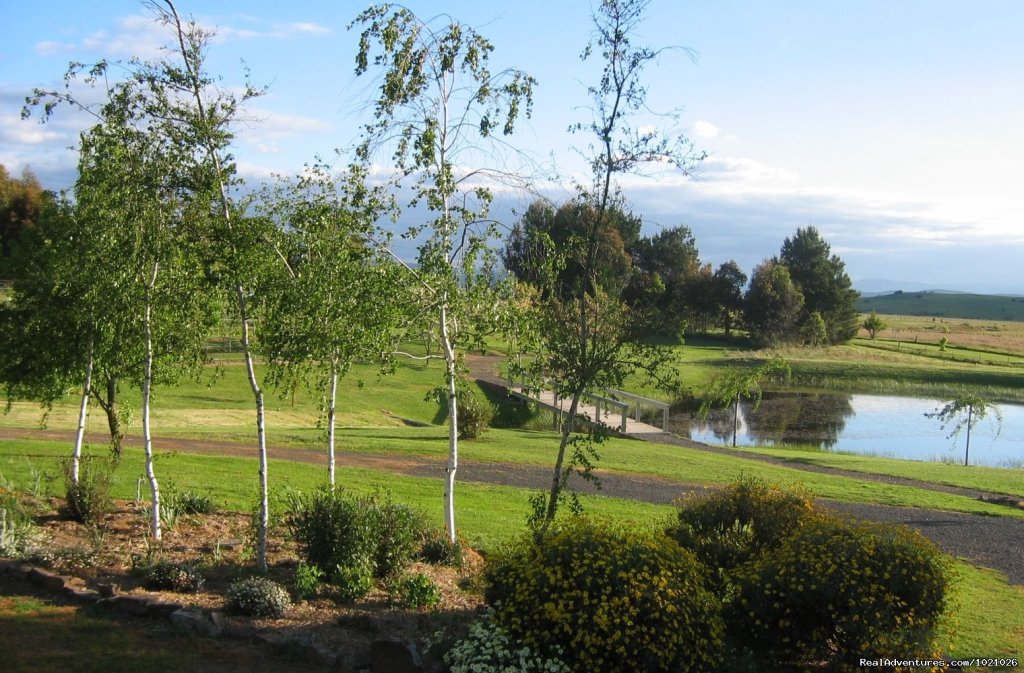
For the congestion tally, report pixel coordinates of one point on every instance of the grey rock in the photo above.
(196, 622)
(47, 579)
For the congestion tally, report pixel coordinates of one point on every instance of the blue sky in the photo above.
(895, 128)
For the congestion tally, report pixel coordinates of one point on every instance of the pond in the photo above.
(878, 425)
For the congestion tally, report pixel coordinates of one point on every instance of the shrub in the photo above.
(307, 581)
(352, 581)
(614, 599)
(336, 530)
(190, 502)
(331, 529)
(398, 531)
(726, 528)
(167, 576)
(438, 549)
(258, 597)
(474, 416)
(19, 535)
(488, 649)
(839, 591)
(89, 500)
(414, 591)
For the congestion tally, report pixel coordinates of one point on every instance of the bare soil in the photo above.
(113, 553)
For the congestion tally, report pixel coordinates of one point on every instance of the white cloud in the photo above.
(17, 131)
(703, 129)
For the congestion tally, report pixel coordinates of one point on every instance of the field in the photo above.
(946, 305)
(388, 419)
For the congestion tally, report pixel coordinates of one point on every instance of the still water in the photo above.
(866, 424)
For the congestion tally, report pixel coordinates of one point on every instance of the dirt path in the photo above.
(990, 541)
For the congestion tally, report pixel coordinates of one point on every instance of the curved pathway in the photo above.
(994, 542)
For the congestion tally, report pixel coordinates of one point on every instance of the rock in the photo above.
(82, 595)
(46, 579)
(195, 622)
(391, 655)
(107, 590)
(15, 568)
(129, 605)
(162, 609)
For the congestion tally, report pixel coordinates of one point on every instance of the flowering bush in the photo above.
(728, 527)
(259, 597)
(837, 591)
(168, 576)
(616, 600)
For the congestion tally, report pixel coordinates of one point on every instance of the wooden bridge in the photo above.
(616, 408)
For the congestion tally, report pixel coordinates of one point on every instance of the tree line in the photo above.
(120, 282)
(802, 295)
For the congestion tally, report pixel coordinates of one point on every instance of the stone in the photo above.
(129, 605)
(195, 622)
(107, 590)
(392, 655)
(162, 609)
(87, 596)
(46, 579)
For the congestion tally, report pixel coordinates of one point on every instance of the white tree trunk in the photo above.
(261, 433)
(147, 434)
(331, 407)
(83, 414)
(453, 425)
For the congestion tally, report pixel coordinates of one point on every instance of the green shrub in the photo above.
(331, 529)
(837, 591)
(190, 502)
(615, 600)
(352, 581)
(474, 415)
(258, 597)
(414, 591)
(167, 576)
(307, 581)
(488, 649)
(89, 500)
(398, 531)
(728, 527)
(438, 549)
(334, 529)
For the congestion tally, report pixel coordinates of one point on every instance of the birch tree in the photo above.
(342, 299)
(444, 116)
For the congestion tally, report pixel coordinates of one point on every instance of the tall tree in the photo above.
(773, 305)
(438, 102)
(729, 280)
(823, 281)
(22, 203)
(966, 411)
(588, 338)
(665, 264)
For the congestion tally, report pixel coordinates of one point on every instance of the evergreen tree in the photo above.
(824, 283)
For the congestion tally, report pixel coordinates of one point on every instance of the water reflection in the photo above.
(867, 424)
(782, 418)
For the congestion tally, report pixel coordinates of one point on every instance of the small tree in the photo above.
(731, 388)
(873, 324)
(965, 412)
(438, 104)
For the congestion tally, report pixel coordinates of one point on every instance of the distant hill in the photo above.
(945, 305)
(875, 286)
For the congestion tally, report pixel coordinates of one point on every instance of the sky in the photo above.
(894, 128)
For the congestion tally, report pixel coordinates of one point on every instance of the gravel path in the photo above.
(990, 541)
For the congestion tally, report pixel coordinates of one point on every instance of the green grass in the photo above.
(486, 513)
(992, 479)
(971, 306)
(987, 620)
